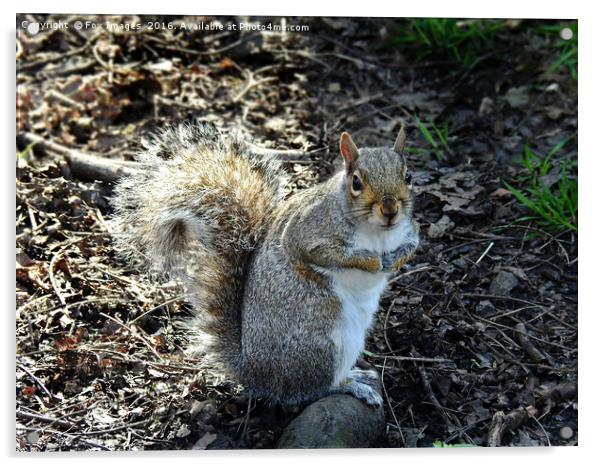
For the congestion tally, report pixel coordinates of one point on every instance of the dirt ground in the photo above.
(483, 321)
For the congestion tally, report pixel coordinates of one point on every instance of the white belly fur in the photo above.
(359, 293)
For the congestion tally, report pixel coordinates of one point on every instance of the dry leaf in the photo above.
(204, 441)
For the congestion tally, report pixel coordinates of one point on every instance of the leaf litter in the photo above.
(101, 360)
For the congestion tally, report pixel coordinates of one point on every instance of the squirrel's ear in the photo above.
(400, 142)
(348, 150)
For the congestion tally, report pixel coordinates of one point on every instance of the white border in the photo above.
(590, 432)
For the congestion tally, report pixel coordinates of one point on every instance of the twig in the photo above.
(524, 340)
(209, 52)
(382, 381)
(511, 313)
(52, 265)
(56, 95)
(543, 430)
(89, 166)
(541, 340)
(75, 437)
(51, 420)
(251, 83)
(399, 276)
(484, 253)
(245, 429)
(408, 358)
(502, 423)
(302, 53)
(31, 302)
(360, 101)
(451, 423)
(498, 327)
(44, 61)
(114, 429)
(518, 300)
(385, 328)
(164, 303)
(549, 313)
(121, 357)
(37, 380)
(83, 165)
(134, 334)
(543, 232)
(495, 296)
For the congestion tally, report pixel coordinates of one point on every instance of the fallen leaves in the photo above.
(442, 226)
(517, 97)
(204, 441)
(107, 377)
(457, 191)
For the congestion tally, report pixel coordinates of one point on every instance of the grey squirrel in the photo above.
(284, 288)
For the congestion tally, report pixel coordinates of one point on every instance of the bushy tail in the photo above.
(198, 207)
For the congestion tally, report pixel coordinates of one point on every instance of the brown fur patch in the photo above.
(401, 262)
(214, 311)
(369, 264)
(308, 273)
(333, 306)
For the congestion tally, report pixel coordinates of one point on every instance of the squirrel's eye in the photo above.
(408, 178)
(356, 183)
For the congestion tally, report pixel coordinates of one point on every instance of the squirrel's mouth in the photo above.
(389, 226)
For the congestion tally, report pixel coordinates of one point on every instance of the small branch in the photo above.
(202, 53)
(502, 423)
(22, 67)
(386, 395)
(451, 421)
(84, 166)
(523, 337)
(484, 253)
(37, 380)
(426, 386)
(251, 83)
(96, 167)
(38, 417)
(60, 97)
(408, 358)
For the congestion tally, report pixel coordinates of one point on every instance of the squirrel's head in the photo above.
(377, 182)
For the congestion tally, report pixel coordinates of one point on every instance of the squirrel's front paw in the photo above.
(393, 261)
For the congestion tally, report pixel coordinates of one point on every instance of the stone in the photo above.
(336, 421)
(566, 433)
(503, 283)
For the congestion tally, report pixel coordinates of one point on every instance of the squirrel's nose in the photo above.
(388, 207)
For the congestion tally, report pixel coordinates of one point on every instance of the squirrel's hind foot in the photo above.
(364, 376)
(359, 383)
